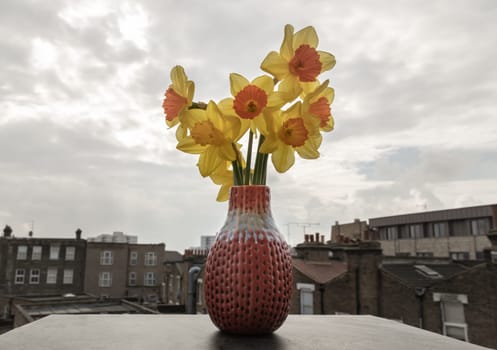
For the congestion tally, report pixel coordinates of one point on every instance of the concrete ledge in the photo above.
(88, 332)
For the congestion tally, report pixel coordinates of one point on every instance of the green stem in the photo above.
(249, 159)
(259, 168)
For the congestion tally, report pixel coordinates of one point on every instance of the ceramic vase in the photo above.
(248, 273)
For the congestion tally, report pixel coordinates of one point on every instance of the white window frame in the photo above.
(149, 279)
(105, 279)
(150, 259)
(52, 275)
(54, 252)
(36, 253)
(132, 278)
(34, 276)
(306, 289)
(68, 276)
(453, 298)
(70, 253)
(133, 258)
(106, 257)
(19, 276)
(22, 252)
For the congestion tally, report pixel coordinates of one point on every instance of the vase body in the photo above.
(248, 273)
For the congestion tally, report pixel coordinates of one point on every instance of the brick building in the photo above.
(40, 266)
(335, 278)
(124, 270)
(444, 297)
(457, 233)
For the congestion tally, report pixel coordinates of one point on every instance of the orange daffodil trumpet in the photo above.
(178, 96)
(213, 130)
(298, 63)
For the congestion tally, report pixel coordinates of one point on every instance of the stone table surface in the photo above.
(122, 332)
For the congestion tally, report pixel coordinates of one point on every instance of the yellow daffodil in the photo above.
(291, 131)
(317, 103)
(298, 63)
(211, 135)
(223, 176)
(178, 96)
(249, 101)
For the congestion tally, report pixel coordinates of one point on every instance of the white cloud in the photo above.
(414, 109)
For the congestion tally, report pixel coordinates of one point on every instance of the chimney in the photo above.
(317, 237)
(78, 234)
(7, 231)
(322, 239)
(30, 234)
(306, 238)
(311, 238)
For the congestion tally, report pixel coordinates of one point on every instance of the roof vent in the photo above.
(426, 271)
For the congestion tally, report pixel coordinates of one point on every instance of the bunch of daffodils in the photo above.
(213, 130)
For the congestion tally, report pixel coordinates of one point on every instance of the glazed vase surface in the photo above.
(248, 273)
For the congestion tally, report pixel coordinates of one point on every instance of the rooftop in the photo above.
(84, 332)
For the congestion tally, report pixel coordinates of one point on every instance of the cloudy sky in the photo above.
(83, 141)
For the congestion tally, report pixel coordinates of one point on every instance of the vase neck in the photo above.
(251, 198)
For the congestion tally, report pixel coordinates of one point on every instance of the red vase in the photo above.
(248, 273)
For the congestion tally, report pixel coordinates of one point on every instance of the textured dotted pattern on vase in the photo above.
(248, 290)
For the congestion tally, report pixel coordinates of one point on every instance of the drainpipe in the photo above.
(420, 293)
(191, 305)
(321, 289)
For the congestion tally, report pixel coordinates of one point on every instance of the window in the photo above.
(149, 279)
(54, 252)
(68, 276)
(19, 276)
(22, 252)
(454, 322)
(440, 229)
(70, 253)
(480, 226)
(51, 275)
(150, 259)
(416, 231)
(424, 254)
(480, 256)
(132, 279)
(34, 277)
(459, 255)
(452, 308)
(392, 233)
(106, 257)
(105, 279)
(36, 253)
(133, 258)
(306, 298)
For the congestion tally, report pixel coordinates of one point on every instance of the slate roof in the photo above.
(320, 271)
(171, 256)
(413, 277)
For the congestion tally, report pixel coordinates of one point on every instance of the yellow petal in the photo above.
(227, 152)
(265, 83)
(178, 77)
(190, 86)
(307, 36)
(224, 193)
(237, 83)
(193, 116)
(277, 100)
(310, 149)
(181, 132)
(286, 49)
(290, 88)
(275, 64)
(283, 158)
(188, 145)
(226, 106)
(215, 115)
(327, 60)
(269, 145)
(209, 161)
